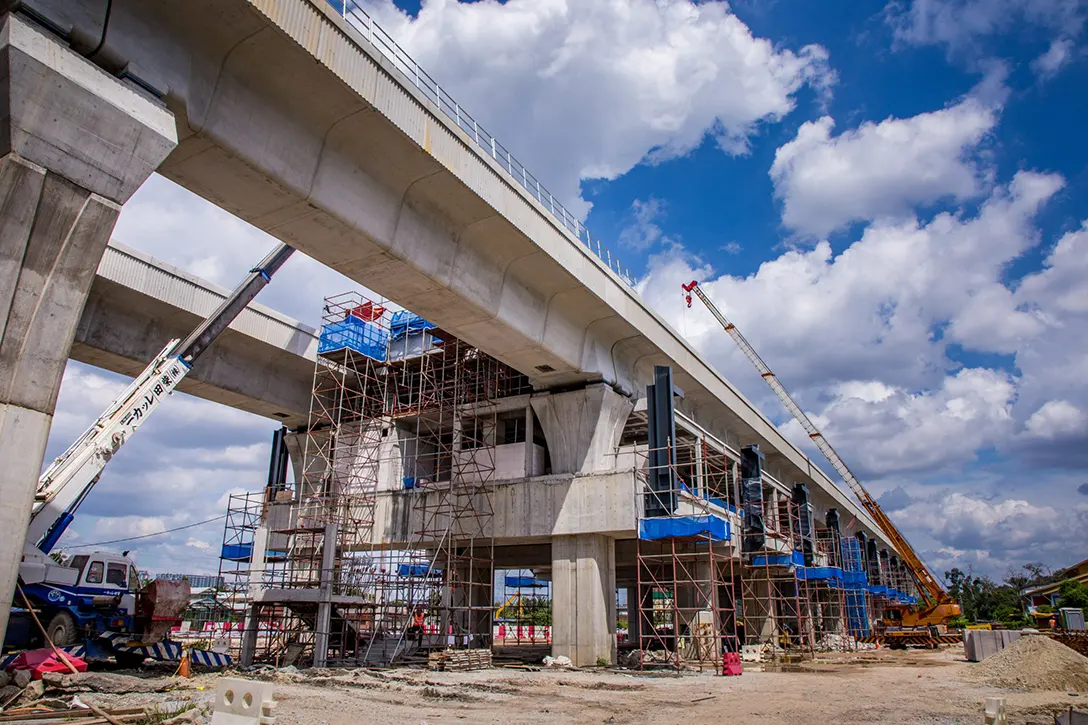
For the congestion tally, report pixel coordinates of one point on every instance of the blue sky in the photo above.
(888, 198)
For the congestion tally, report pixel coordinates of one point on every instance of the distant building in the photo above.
(196, 581)
(1047, 594)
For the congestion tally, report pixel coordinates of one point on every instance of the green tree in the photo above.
(984, 600)
(1073, 594)
(538, 610)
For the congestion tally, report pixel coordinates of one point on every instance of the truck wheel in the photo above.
(62, 629)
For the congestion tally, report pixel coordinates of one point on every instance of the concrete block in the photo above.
(988, 644)
(970, 650)
(994, 713)
(243, 702)
(978, 644)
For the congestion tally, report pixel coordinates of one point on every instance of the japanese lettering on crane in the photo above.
(163, 385)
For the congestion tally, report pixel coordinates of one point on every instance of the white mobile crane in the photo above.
(94, 596)
(937, 606)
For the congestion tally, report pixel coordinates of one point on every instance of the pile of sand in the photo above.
(1034, 662)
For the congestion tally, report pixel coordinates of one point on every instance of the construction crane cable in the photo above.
(148, 536)
(927, 585)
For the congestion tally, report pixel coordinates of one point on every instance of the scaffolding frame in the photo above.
(411, 403)
(778, 620)
(685, 613)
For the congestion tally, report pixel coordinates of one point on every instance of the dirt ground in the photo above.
(873, 687)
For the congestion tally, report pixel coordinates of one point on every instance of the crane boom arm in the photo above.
(930, 589)
(66, 482)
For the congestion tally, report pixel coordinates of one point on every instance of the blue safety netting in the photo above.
(355, 334)
(679, 527)
(855, 586)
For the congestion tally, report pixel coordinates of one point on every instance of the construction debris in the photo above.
(466, 659)
(558, 663)
(1034, 662)
(105, 682)
(87, 715)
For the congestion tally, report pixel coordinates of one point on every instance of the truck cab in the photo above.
(102, 574)
(91, 593)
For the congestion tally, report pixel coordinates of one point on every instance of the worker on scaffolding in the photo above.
(418, 625)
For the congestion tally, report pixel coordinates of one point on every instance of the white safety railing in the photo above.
(380, 39)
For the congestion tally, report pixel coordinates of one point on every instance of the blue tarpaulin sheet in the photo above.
(243, 552)
(678, 527)
(794, 558)
(351, 332)
(815, 573)
(405, 322)
(417, 570)
(525, 581)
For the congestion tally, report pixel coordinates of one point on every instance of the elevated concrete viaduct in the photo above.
(263, 363)
(288, 117)
(313, 128)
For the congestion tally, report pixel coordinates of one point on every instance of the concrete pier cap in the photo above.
(75, 144)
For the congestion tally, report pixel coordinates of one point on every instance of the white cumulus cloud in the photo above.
(1057, 418)
(588, 89)
(883, 169)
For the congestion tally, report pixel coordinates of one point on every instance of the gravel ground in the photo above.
(929, 688)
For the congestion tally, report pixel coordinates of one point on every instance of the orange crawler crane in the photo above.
(902, 623)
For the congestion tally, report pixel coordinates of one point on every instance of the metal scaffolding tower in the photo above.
(402, 417)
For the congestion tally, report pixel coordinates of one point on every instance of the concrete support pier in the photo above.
(582, 427)
(75, 144)
(584, 598)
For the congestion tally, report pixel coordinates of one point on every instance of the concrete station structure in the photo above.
(303, 118)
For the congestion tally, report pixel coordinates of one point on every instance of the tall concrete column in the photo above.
(296, 454)
(75, 144)
(584, 598)
(323, 622)
(582, 427)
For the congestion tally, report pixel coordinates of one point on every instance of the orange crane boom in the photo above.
(932, 592)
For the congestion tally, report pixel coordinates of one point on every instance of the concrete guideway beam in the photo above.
(78, 143)
(584, 598)
(263, 363)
